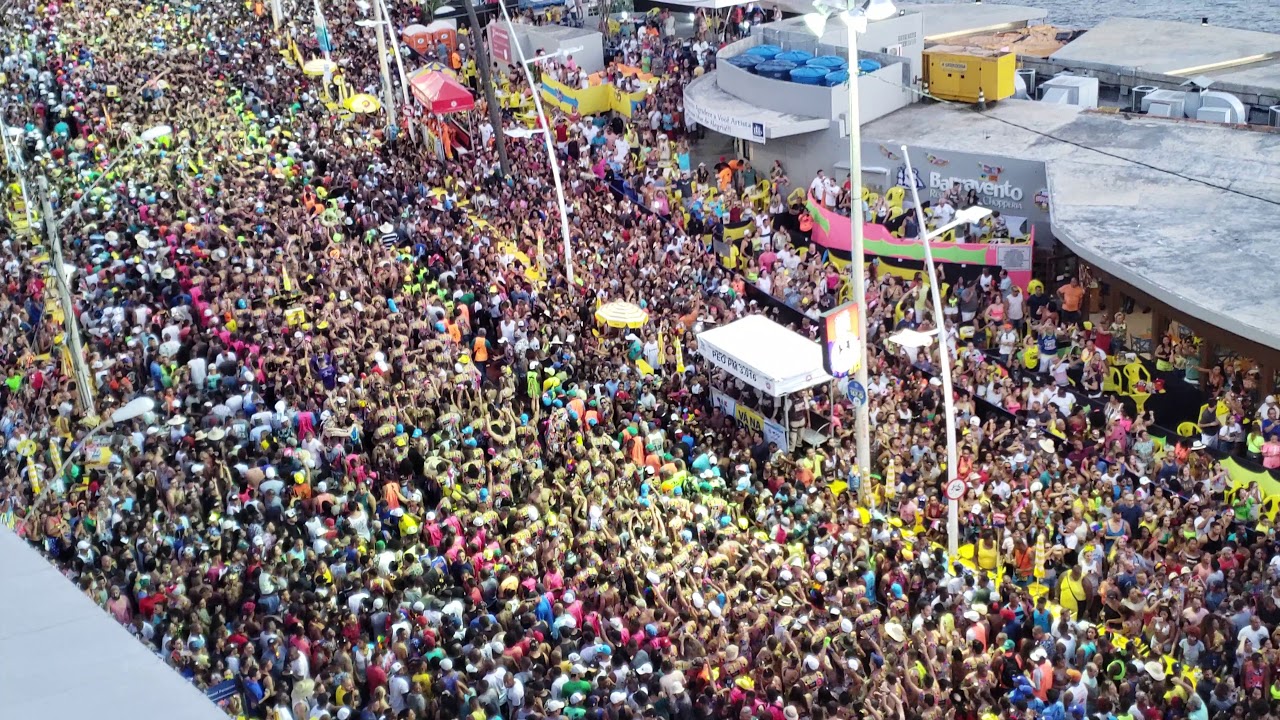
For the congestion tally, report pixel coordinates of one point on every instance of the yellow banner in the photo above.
(591, 101)
(749, 418)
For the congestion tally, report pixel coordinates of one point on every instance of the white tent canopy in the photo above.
(765, 355)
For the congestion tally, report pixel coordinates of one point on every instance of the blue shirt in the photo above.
(1049, 344)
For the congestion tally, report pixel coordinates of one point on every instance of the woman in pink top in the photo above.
(1271, 453)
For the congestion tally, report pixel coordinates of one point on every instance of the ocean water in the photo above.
(1260, 15)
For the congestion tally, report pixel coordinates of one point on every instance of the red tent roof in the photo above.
(440, 93)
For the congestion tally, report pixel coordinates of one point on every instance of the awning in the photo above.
(717, 109)
(440, 93)
(765, 355)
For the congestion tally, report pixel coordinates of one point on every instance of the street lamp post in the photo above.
(550, 143)
(404, 79)
(855, 20)
(963, 217)
(380, 25)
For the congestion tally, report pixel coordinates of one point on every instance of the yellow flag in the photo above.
(662, 348)
(644, 367)
(34, 475)
(679, 355)
(285, 280)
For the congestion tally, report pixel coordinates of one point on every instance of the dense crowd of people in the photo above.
(396, 469)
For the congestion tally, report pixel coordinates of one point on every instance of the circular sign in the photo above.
(856, 393)
(956, 488)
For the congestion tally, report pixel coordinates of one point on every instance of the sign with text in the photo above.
(746, 417)
(725, 123)
(831, 230)
(1018, 189)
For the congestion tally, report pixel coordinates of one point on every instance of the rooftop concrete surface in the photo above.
(1201, 249)
(61, 656)
(955, 20)
(1263, 76)
(1165, 47)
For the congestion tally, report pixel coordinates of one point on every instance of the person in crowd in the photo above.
(396, 468)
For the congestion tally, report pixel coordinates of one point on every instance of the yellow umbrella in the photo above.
(362, 104)
(319, 67)
(619, 314)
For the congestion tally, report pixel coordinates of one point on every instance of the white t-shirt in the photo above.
(831, 193)
(399, 687)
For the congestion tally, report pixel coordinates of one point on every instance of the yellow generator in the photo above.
(966, 74)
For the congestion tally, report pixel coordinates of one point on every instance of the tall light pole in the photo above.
(855, 19)
(404, 79)
(964, 217)
(550, 143)
(486, 82)
(71, 322)
(379, 24)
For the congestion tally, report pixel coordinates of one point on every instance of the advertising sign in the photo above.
(831, 231)
(1016, 188)
(500, 43)
(726, 123)
(746, 417)
(841, 344)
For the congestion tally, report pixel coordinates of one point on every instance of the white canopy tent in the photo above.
(768, 357)
(765, 355)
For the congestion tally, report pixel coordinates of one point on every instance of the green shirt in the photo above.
(575, 686)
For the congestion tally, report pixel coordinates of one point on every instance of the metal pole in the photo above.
(551, 148)
(277, 15)
(944, 363)
(486, 81)
(70, 322)
(388, 95)
(857, 264)
(404, 80)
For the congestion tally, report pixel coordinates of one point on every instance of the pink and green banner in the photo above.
(831, 230)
